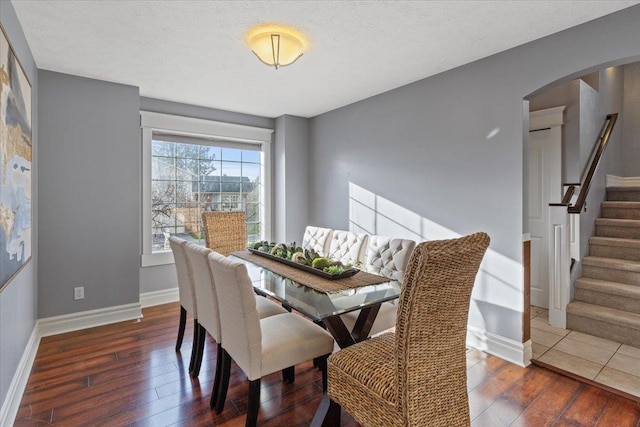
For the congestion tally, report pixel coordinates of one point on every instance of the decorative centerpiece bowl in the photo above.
(303, 259)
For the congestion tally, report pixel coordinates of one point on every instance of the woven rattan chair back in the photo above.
(431, 330)
(416, 376)
(225, 232)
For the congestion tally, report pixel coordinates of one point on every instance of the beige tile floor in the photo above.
(610, 363)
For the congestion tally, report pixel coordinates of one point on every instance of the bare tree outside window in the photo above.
(188, 179)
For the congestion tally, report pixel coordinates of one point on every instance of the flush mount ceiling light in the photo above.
(276, 45)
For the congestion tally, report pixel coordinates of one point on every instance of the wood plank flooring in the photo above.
(129, 374)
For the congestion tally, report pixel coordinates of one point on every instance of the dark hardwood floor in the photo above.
(129, 374)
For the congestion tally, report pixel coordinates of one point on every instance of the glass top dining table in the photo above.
(325, 308)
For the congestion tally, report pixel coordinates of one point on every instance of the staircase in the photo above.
(607, 296)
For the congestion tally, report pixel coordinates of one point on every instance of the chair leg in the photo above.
(254, 403)
(202, 339)
(216, 381)
(225, 373)
(183, 323)
(289, 374)
(194, 345)
(323, 326)
(328, 413)
(333, 415)
(322, 365)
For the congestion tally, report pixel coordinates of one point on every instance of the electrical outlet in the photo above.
(78, 293)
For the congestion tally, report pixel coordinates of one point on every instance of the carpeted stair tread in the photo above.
(615, 222)
(615, 241)
(604, 314)
(625, 188)
(620, 210)
(619, 264)
(613, 288)
(621, 204)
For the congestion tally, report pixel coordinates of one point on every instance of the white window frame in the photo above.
(151, 123)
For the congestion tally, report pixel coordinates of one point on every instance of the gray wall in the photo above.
(163, 277)
(291, 189)
(631, 129)
(424, 149)
(89, 180)
(610, 101)
(18, 300)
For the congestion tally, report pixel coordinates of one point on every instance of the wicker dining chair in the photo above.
(416, 376)
(225, 231)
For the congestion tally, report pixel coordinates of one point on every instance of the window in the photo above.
(187, 172)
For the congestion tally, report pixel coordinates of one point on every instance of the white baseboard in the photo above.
(509, 350)
(88, 319)
(165, 296)
(621, 181)
(12, 400)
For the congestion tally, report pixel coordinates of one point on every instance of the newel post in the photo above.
(559, 265)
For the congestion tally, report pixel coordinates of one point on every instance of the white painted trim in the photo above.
(526, 237)
(543, 119)
(559, 265)
(157, 258)
(621, 181)
(13, 398)
(88, 319)
(509, 350)
(147, 136)
(165, 296)
(152, 122)
(203, 128)
(266, 192)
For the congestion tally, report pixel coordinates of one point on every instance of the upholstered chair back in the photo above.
(348, 247)
(198, 257)
(241, 336)
(388, 256)
(431, 329)
(318, 239)
(225, 231)
(186, 289)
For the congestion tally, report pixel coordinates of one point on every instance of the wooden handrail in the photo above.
(603, 139)
(566, 200)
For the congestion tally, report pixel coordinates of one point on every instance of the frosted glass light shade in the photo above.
(276, 45)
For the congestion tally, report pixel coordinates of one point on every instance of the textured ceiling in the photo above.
(194, 52)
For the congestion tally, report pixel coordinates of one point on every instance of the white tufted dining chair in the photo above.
(209, 320)
(260, 346)
(317, 238)
(348, 247)
(388, 257)
(186, 294)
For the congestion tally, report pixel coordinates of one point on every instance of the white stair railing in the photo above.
(559, 265)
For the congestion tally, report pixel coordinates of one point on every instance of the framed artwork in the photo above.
(15, 164)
